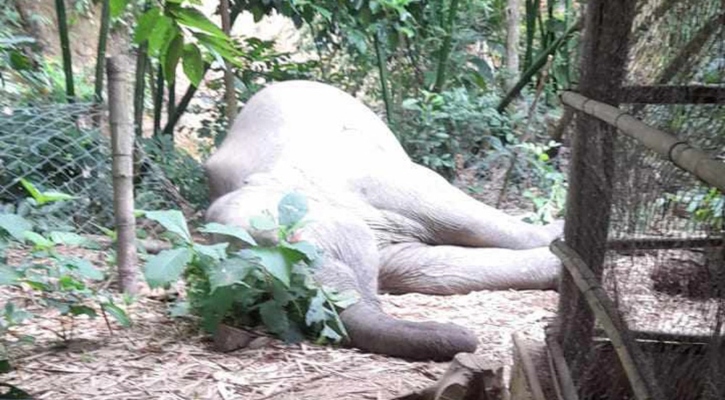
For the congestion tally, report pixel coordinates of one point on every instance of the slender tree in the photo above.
(230, 93)
(513, 16)
(65, 47)
(446, 47)
(101, 53)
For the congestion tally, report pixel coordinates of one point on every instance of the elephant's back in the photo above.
(301, 116)
(306, 125)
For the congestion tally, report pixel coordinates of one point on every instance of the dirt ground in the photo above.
(164, 358)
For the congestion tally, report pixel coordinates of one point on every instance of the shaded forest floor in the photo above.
(164, 358)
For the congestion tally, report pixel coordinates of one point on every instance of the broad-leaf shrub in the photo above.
(244, 283)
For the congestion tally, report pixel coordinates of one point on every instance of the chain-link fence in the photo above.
(61, 148)
(650, 234)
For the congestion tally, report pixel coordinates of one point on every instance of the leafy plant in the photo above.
(53, 280)
(272, 284)
(175, 32)
(705, 206)
(440, 125)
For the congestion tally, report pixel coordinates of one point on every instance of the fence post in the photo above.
(122, 141)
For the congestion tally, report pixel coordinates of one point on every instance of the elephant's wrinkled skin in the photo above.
(383, 222)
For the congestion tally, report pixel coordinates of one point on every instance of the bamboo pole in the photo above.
(566, 390)
(667, 145)
(537, 65)
(65, 48)
(122, 140)
(641, 378)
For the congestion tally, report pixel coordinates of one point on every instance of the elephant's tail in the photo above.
(372, 330)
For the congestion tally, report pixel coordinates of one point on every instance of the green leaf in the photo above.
(228, 230)
(13, 393)
(15, 225)
(68, 283)
(273, 261)
(292, 208)
(194, 18)
(173, 221)
(19, 61)
(146, 24)
(84, 268)
(330, 334)
(342, 299)
(180, 309)
(117, 313)
(41, 198)
(162, 34)
(215, 251)
(117, 7)
(307, 249)
(69, 239)
(167, 266)
(82, 310)
(274, 317)
(224, 48)
(193, 63)
(38, 241)
(229, 272)
(316, 311)
(8, 276)
(263, 222)
(5, 367)
(173, 54)
(31, 189)
(215, 307)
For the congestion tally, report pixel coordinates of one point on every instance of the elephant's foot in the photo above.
(444, 270)
(371, 330)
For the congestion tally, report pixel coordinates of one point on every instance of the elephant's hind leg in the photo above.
(449, 216)
(444, 270)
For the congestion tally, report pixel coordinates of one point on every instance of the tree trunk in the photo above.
(65, 47)
(446, 48)
(101, 53)
(158, 99)
(512, 41)
(122, 141)
(230, 94)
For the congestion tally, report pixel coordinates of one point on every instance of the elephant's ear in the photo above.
(292, 208)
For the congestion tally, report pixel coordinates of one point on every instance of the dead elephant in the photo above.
(383, 222)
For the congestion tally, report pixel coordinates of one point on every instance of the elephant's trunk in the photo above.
(372, 330)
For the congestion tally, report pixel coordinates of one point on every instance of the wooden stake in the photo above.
(122, 140)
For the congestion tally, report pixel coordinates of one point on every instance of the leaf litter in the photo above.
(161, 357)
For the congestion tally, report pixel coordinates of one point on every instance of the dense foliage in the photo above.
(244, 283)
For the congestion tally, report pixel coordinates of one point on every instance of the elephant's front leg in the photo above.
(444, 270)
(445, 214)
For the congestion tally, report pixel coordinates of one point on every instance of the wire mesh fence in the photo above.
(663, 264)
(60, 147)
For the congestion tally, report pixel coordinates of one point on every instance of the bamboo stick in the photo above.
(527, 363)
(667, 145)
(641, 378)
(122, 140)
(560, 370)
